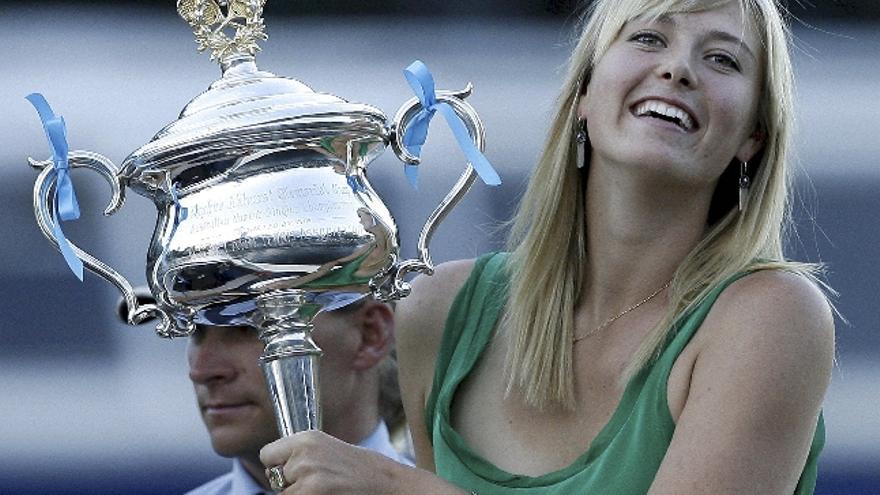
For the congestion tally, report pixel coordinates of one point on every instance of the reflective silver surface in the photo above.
(209, 23)
(266, 215)
(290, 359)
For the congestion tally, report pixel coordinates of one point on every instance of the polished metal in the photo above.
(266, 215)
(277, 481)
(290, 358)
(45, 211)
(744, 186)
(210, 23)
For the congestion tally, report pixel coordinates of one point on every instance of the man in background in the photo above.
(232, 396)
(359, 395)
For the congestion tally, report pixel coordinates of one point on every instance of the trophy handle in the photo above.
(423, 264)
(45, 190)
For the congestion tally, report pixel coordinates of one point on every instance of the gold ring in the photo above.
(276, 479)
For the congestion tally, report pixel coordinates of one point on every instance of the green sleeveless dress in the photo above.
(626, 454)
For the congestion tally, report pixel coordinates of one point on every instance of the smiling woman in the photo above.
(687, 76)
(645, 333)
(666, 52)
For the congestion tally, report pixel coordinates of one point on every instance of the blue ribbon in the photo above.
(66, 204)
(422, 82)
(181, 212)
(355, 184)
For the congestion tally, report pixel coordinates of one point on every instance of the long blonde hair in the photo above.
(549, 225)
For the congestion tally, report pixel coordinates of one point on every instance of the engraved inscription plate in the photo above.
(300, 208)
(241, 234)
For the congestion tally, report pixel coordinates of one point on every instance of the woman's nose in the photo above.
(677, 70)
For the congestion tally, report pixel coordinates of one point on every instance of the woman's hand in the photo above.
(315, 463)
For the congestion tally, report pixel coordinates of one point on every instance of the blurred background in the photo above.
(88, 405)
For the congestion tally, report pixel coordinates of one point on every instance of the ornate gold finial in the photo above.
(209, 24)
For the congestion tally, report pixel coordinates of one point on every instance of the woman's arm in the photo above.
(756, 390)
(419, 321)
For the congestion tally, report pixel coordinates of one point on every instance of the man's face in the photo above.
(231, 389)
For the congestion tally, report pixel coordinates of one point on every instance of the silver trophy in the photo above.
(265, 213)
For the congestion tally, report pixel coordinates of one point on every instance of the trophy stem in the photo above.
(290, 359)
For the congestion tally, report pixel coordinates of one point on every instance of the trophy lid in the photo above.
(248, 112)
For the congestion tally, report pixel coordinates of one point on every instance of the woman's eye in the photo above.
(724, 61)
(647, 39)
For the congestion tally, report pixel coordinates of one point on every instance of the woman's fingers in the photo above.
(277, 452)
(314, 463)
(286, 451)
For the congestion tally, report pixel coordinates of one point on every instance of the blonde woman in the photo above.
(645, 333)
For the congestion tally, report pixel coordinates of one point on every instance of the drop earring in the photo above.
(580, 143)
(744, 184)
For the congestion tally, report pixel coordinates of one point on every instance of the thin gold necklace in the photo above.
(619, 315)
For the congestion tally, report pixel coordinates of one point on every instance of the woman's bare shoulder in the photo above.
(422, 315)
(772, 320)
(420, 320)
(789, 303)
